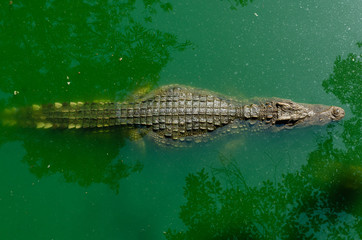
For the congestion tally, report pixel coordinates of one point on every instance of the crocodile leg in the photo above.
(161, 141)
(137, 136)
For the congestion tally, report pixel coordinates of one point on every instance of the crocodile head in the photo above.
(291, 114)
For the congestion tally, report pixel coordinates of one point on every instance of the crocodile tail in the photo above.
(55, 115)
(63, 115)
(23, 117)
(7, 117)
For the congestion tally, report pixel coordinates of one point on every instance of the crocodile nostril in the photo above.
(337, 113)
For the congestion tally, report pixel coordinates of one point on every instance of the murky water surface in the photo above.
(62, 184)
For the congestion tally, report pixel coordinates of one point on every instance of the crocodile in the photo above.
(180, 113)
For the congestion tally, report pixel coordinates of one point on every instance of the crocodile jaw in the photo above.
(320, 114)
(301, 115)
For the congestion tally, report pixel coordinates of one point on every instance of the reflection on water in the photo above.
(320, 201)
(56, 50)
(345, 81)
(82, 157)
(236, 3)
(83, 50)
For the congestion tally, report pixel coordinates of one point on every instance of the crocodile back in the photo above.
(178, 112)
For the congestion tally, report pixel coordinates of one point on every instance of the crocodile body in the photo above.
(181, 113)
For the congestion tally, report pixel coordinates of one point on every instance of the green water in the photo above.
(298, 184)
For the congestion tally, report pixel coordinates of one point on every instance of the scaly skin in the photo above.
(179, 112)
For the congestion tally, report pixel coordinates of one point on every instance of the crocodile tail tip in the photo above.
(8, 116)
